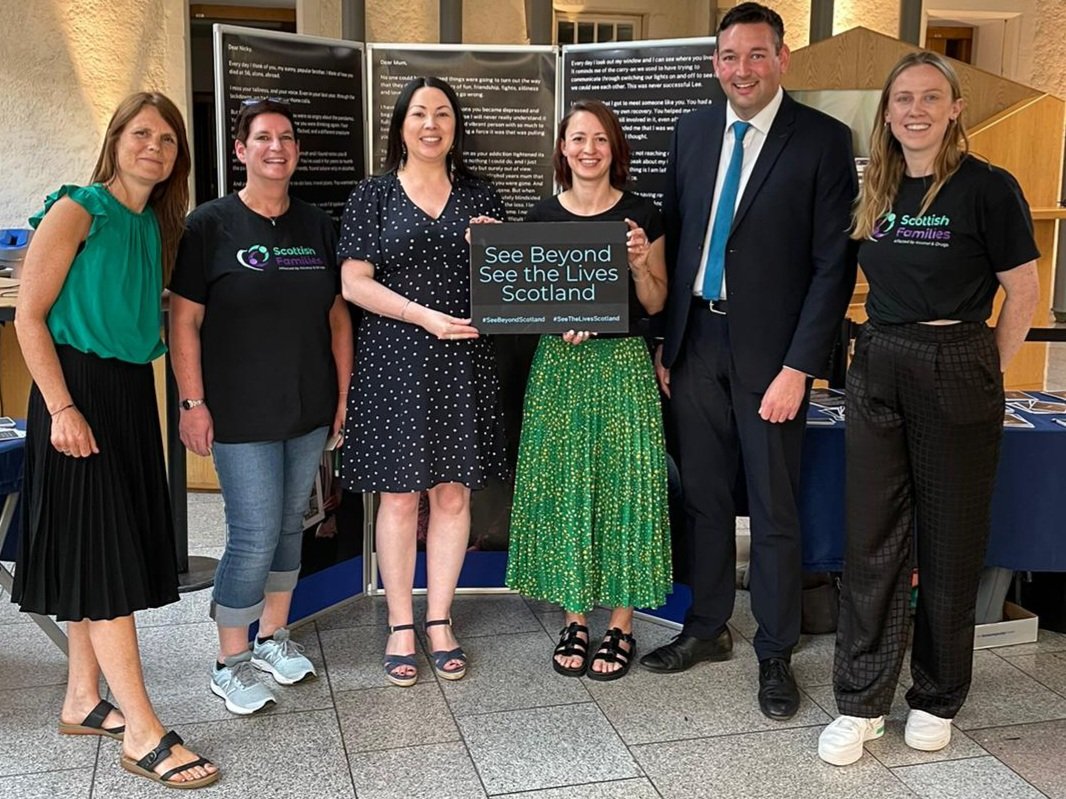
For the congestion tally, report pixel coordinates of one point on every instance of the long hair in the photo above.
(169, 198)
(615, 137)
(884, 173)
(396, 154)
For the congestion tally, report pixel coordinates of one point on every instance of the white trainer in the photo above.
(926, 732)
(841, 742)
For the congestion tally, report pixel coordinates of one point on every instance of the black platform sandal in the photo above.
(441, 657)
(393, 663)
(611, 651)
(571, 645)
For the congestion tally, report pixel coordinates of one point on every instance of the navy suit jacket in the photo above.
(789, 265)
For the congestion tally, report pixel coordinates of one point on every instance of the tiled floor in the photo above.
(513, 727)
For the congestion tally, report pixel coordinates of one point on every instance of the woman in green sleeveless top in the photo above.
(97, 542)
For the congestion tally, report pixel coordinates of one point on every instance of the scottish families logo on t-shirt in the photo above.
(257, 257)
(931, 230)
(883, 226)
(254, 257)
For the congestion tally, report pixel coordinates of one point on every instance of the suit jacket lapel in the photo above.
(707, 163)
(776, 139)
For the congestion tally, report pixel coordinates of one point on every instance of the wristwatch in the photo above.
(189, 404)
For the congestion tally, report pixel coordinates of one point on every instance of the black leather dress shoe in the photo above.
(685, 651)
(778, 695)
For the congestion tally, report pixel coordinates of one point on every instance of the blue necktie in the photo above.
(723, 218)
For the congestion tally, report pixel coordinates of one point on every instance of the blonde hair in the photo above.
(169, 198)
(884, 173)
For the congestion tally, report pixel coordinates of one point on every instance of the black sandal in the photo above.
(570, 645)
(611, 651)
(93, 724)
(144, 766)
(393, 663)
(441, 657)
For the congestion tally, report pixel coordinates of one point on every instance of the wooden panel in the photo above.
(1048, 213)
(1029, 368)
(1026, 140)
(241, 13)
(200, 473)
(15, 385)
(948, 32)
(861, 59)
(14, 377)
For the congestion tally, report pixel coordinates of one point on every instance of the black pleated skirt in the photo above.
(97, 537)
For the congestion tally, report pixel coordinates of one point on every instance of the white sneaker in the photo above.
(926, 732)
(841, 742)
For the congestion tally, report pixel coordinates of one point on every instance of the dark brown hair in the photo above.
(169, 198)
(251, 109)
(615, 137)
(754, 14)
(396, 154)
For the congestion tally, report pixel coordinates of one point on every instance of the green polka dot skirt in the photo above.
(590, 524)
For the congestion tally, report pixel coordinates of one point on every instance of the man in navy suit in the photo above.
(756, 299)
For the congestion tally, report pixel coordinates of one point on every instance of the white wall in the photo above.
(1034, 40)
(64, 66)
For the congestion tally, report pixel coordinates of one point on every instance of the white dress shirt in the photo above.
(753, 142)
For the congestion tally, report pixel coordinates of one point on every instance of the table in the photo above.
(11, 457)
(1028, 503)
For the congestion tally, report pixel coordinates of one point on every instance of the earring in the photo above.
(403, 154)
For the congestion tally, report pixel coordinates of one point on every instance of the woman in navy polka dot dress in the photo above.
(424, 410)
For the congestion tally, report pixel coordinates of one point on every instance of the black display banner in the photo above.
(322, 80)
(648, 85)
(549, 277)
(508, 100)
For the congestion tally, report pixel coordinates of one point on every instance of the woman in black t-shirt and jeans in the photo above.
(261, 343)
(940, 232)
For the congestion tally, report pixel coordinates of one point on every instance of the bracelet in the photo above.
(403, 311)
(68, 406)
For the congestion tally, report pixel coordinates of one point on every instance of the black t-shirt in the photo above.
(265, 342)
(943, 264)
(632, 206)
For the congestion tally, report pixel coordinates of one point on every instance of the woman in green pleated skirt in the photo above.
(590, 523)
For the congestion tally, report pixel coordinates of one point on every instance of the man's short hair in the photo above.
(752, 14)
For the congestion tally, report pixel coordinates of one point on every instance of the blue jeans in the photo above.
(266, 486)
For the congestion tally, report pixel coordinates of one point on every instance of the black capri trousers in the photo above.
(924, 421)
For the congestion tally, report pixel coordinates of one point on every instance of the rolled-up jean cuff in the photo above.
(235, 617)
(281, 581)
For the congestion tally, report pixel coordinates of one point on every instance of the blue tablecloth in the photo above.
(11, 456)
(1028, 505)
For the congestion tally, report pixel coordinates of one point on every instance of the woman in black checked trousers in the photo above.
(940, 231)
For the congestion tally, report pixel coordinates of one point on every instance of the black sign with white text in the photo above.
(549, 277)
(322, 82)
(507, 94)
(648, 84)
